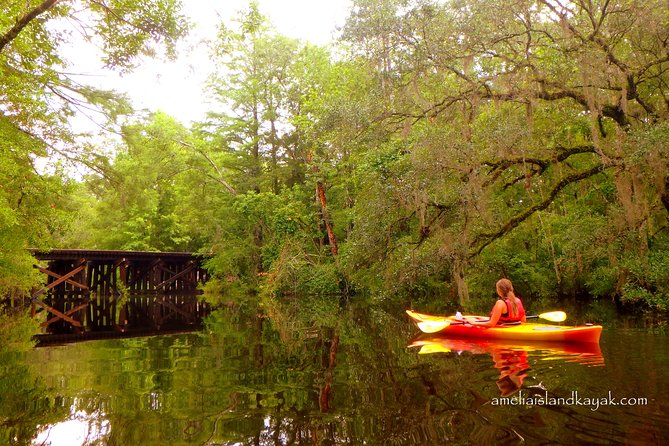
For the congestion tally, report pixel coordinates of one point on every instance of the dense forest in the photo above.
(437, 146)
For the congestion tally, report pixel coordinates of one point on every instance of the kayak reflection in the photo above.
(512, 360)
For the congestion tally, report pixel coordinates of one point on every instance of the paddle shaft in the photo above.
(432, 324)
(431, 328)
(535, 316)
(553, 316)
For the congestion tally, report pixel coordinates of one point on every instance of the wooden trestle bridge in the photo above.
(118, 291)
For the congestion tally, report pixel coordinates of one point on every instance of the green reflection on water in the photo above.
(295, 380)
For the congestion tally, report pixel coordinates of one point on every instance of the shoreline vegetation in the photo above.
(434, 148)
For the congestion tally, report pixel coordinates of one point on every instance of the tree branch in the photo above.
(218, 179)
(563, 153)
(113, 13)
(24, 21)
(486, 239)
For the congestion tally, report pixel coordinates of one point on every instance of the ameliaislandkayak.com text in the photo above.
(594, 403)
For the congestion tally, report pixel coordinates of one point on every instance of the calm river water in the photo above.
(366, 380)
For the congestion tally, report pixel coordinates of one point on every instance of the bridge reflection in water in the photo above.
(96, 293)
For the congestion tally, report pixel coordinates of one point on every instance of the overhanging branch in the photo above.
(484, 240)
(24, 21)
(539, 164)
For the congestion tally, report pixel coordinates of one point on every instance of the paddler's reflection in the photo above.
(512, 366)
(512, 361)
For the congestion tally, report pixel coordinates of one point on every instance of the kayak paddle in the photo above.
(433, 324)
(553, 316)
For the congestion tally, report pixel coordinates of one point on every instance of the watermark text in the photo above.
(545, 399)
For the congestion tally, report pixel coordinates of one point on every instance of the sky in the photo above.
(176, 88)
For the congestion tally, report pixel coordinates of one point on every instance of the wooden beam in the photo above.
(144, 273)
(173, 307)
(67, 313)
(75, 274)
(56, 312)
(174, 277)
(60, 280)
(190, 268)
(56, 275)
(112, 270)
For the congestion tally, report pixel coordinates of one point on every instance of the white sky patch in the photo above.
(80, 429)
(177, 87)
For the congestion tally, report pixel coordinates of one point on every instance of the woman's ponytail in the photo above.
(506, 289)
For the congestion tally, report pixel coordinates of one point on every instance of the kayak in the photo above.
(525, 332)
(587, 353)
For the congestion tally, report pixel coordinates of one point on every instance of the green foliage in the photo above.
(648, 280)
(259, 226)
(455, 143)
(130, 29)
(31, 215)
(138, 207)
(296, 272)
(532, 277)
(38, 146)
(18, 330)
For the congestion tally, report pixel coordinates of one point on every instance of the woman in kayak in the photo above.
(507, 309)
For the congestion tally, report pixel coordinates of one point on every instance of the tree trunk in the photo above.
(326, 390)
(320, 192)
(665, 194)
(459, 279)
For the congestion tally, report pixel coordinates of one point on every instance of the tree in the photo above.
(258, 94)
(140, 206)
(502, 108)
(39, 95)
(259, 138)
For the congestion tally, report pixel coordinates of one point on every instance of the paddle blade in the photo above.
(554, 316)
(432, 326)
(433, 348)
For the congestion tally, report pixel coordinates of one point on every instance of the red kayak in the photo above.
(519, 332)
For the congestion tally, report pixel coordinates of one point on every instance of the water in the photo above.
(248, 380)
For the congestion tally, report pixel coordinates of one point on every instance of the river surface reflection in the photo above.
(512, 360)
(364, 380)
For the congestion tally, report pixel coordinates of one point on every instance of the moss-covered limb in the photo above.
(486, 239)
